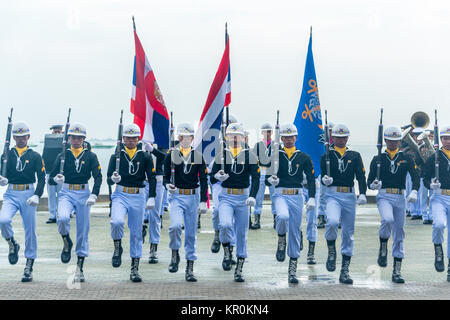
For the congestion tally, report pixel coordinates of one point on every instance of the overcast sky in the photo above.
(368, 54)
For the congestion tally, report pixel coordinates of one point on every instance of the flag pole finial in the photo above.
(134, 25)
(310, 31)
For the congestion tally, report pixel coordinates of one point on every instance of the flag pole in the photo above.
(227, 110)
(134, 25)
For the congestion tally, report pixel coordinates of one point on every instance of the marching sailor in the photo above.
(22, 167)
(394, 166)
(154, 215)
(235, 198)
(262, 150)
(341, 201)
(288, 196)
(130, 198)
(79, 166)
(189, 173)
(440, 200)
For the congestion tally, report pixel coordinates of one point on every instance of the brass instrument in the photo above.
(418, 120)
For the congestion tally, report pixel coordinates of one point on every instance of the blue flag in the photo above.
(308, 119)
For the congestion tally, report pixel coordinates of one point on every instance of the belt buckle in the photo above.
(76, 187)
(388, 190)
(19, 187)
(291, 191)
(345, 189)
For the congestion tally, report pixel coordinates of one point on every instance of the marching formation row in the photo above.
(143, 174)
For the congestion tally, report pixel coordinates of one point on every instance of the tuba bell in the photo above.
(424, 148)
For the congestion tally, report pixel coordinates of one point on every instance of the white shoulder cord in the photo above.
(393, 167)
(78, 164)
(341, 166)
(290, 164)
(19, 165)
(186, 162)
(131, 170)
(234, 164)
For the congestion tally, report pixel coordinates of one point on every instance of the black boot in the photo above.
(321, 222)
(301, 240)
(448, 271)
(144, 232)
(238, 277)
(14, 247)
(117, 255)
(396, 276)
(160, 218)
(281, 248)
(233, 261)
(27, 272)
(439, 258)
(173, 266)
(257, 224)
(215, 247)
(226, 263)
(275, 221)
(310, 257)
(345, 276)
(331, 261)
(79, 276)
(66, 251)
(190, 272)
(250, 223)
(382, 254)
(134, 274)
(153, 253)
(292, 271)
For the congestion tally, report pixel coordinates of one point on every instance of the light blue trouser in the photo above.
(153, 215)
(134, 205)
(184, 208)
(420, 206)
(341, 206)
(260, 195)
(408, 186)
(233, 220)
(216, 189)
(13, 201)
(289, 219)
(52, 192)
(441, 211)
(392, 211)
(165, 202)
(322, 199)
(68, 202)
(311, 215)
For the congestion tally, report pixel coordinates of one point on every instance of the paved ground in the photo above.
(265, 277)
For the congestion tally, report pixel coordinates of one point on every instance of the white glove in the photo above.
(412, 196)
(202, 207)
(311, 204)
(116, 177)
(3, 181)
(250, 202)
(361, 199)
(273, 180)
(221, 176)
(91, 200)
(434, 185)
(150, 203)
(327, 180)
(171, 188)
(33, 200)
(59, 178)
(375, 185)
(148, 146)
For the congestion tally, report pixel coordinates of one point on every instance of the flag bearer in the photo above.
(391, 202)
(154, 216)
(288, 196)
(79, 166)
(262, 150)
(130, 197)
(440, 200)
(240, 165)
(341, 201)
(22, 168)
(189, 174)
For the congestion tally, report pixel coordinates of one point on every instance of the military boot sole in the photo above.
(397, 279)
(153, 260)
(345, 281)
(311, 261)
(239, 279)
(292, 280)
(135, 279)
(27, 278)
(191, 278)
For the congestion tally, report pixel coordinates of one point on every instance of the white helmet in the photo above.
(20, 129)
(77, 129)
(330, 125)
(266, 127)
(288, 130)
(445, 132)
(340, 130)
(185, 129)
(393, 133)
(232, 119)
(131, 130)
(235, 128)
(418, 130)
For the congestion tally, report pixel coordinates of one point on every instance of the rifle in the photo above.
(222, 143)
(276, 145)
(327, 144)
(7, 143)
(436, 147)
(65, 141)
(172, 148)
(117, 155)
(379, 144)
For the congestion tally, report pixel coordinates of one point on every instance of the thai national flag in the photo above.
(147, 103)
(219, 96)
